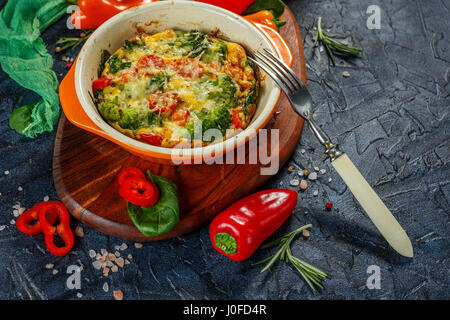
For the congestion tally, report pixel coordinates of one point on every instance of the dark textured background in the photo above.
(390, 115)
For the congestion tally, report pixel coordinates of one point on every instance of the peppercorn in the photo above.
(329, 205)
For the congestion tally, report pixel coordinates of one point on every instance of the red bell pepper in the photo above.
(93, 13)
(236, 6)
(25, 221)
(239, 230)
(139, 191)
(62, 228)
(153, 139)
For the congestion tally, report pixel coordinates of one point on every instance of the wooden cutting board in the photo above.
(85, 169)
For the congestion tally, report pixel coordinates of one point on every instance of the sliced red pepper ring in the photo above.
(62, 229)
(130, 172)
(139, 191)
(28, 222)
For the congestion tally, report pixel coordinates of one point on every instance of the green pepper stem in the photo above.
(226, 242)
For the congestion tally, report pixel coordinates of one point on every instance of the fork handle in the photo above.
(374, 206)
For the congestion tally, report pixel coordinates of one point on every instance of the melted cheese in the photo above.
(164, 83)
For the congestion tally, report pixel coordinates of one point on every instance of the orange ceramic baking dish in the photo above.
(76, 88)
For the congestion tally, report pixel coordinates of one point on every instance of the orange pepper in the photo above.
(93, 13)
(264, 17)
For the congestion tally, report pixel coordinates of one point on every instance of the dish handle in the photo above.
(72, 107)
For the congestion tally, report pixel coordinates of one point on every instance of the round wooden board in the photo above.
(85, 168)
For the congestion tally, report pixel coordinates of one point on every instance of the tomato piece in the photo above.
(187, 67)
(181, 117)
(236, 72)
(139, 191)
(101, 83)
(128, 75)
(151, 60)
(152, 139)
(130, 172)
(235, 120)
(163, 102)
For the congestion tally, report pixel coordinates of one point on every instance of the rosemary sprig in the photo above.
(73, 42)
(312, 275)
(333, 45)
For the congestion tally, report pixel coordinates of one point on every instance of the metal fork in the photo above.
(302, 103)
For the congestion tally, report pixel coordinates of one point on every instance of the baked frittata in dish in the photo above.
(159, 88)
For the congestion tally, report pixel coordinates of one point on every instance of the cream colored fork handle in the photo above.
(372, 204)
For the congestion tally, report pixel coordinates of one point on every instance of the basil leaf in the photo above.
(20, 118)
(276, 6)
(162, 217)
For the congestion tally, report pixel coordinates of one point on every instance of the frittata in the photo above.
(160, 88)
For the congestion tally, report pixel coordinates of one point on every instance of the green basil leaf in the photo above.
(276, 6)
(21, 117)
(162, 217)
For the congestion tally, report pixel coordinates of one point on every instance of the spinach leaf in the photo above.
(275, 6)
(115, 64)
(21, 117)
(194, 41)
(162, 217)
(158, 82)
(130, 45)
(104, 57)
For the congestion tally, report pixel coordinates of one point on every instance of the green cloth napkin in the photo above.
(24, 57)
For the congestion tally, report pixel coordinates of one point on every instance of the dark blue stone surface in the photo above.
(391, 116)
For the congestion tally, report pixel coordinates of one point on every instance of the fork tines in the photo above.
(279, 71)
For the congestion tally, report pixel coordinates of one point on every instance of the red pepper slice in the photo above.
(139, 191)
(101, 83)
(239, 230)
(130, 172)
(235, 120)
(25, 220)
(152, 139)
(62, 228)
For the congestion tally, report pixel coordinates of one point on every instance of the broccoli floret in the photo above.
(109, 111)
(217, 52)
(226, 91)
(218, 118)
(115, 64)
(130, 119)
